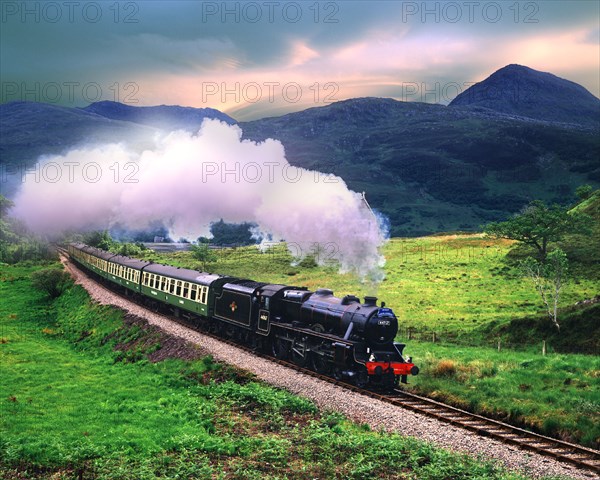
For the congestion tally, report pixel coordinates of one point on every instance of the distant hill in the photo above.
(165, 117)
(519, 90)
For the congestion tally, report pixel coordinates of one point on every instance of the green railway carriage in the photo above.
(183, 289)
(93, 259)
(126, 271)
(75, 251)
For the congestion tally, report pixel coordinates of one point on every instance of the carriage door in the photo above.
(263, 315)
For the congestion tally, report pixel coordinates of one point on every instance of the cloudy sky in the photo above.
(256, 59)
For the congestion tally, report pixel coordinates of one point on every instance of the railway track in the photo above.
(582, 457)
(577, 455)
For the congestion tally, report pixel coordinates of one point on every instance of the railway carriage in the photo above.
(126, 272)
(182, 289)
(93, 259)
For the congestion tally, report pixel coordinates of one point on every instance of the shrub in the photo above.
(51, 280)
(444, 368)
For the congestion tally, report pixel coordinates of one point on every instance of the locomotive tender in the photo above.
(341, 337)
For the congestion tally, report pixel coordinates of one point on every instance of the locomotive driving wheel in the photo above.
(300, 353)
(320, 363)
(280, 348)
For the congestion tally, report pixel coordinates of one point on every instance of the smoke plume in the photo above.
(186, 181)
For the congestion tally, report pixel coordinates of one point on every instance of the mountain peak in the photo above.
(521, 90)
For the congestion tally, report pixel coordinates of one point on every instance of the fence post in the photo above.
(544, 347)
(498, 344)
(409, 333)
(433, 337)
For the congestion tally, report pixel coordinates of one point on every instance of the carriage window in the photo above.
(178, 292)
(186, 290)
(171, 286)
(194, 293)
(204, 295)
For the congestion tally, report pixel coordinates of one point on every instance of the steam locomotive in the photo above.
(340, 337)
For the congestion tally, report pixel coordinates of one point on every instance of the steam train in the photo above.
(340, 337)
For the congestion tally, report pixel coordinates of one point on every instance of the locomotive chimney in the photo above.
(370, 301)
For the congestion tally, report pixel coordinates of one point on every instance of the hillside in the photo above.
(166, 117)
(519, 90)
(434, 168)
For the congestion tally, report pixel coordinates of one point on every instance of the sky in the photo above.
(266, 58)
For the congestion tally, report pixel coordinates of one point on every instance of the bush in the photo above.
(444, 368)
(51, 280)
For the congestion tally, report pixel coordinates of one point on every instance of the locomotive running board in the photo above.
(308, 331)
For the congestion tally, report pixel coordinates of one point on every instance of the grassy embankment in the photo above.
(79, 399)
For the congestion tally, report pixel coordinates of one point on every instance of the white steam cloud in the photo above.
(186, 181)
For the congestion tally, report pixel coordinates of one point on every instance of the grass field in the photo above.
(77, 402)
(556, 394)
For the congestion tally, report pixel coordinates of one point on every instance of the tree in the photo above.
(203, 253)
(6, 232)
(538, 224)
(584, 191)
(548, 278)
(16, 242)
(51, 280)
(98, 239)
(231, 233)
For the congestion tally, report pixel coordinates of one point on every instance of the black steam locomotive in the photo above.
(341, 337)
